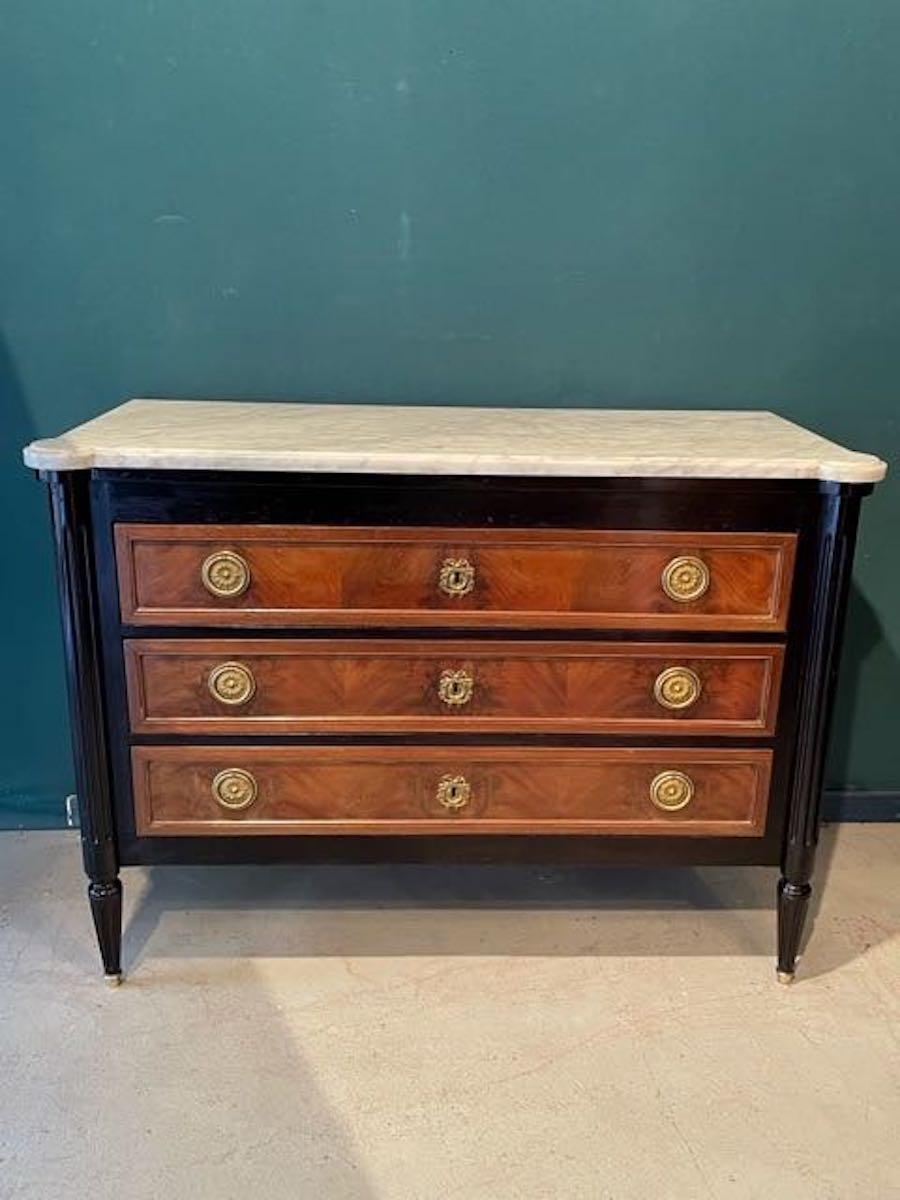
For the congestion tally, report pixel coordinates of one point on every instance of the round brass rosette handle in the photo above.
(455, 688)
(457, 577)
(234, 789)
(677, 688)
(671, 790)
(454, 792)
(225, 574)
(685, 578)
(232, 683)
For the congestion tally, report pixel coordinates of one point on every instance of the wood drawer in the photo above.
(271, 575)
(295, 686)
(366, 790)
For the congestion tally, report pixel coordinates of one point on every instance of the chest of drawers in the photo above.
(312, 633)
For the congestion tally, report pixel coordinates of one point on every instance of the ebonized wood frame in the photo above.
(86, 505)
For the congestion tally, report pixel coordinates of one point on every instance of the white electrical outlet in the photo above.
(72, 811)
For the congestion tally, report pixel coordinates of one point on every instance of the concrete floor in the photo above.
(407, 1034)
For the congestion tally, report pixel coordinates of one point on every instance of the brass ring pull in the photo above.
(232, 683)
(677, 688)
(455, 688)
(225, 574)
(457, 577)
(453, 792)
(685, 578)
(234, 789)
(671, 790)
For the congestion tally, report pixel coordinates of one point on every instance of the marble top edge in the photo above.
(425, 439)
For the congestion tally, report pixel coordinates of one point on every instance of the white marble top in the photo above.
(381, 439)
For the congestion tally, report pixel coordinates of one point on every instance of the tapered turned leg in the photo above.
(821, 595)
(793, 901)
(106, 909)
(71, 506)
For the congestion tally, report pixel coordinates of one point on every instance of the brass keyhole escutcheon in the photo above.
(677, 688)
(225, 574)
(234, 788)
(454, 792)
(455, 688)
(671, 790)
(685, 578)
(457, 577)
(232, 683)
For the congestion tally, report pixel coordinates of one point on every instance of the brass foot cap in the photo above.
(785, 976)
(113, 980)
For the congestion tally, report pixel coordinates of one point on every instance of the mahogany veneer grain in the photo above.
(380, 790)
(347, 686)
(316, 575)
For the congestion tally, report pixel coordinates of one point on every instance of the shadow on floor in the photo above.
(285, 911)
(820, 954)
(467, 911)
(189, 1097)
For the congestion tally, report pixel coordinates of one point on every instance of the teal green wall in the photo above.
(603, 202)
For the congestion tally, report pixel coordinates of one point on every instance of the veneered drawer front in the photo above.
(295, 686)
(244, 575)
(239, 790)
